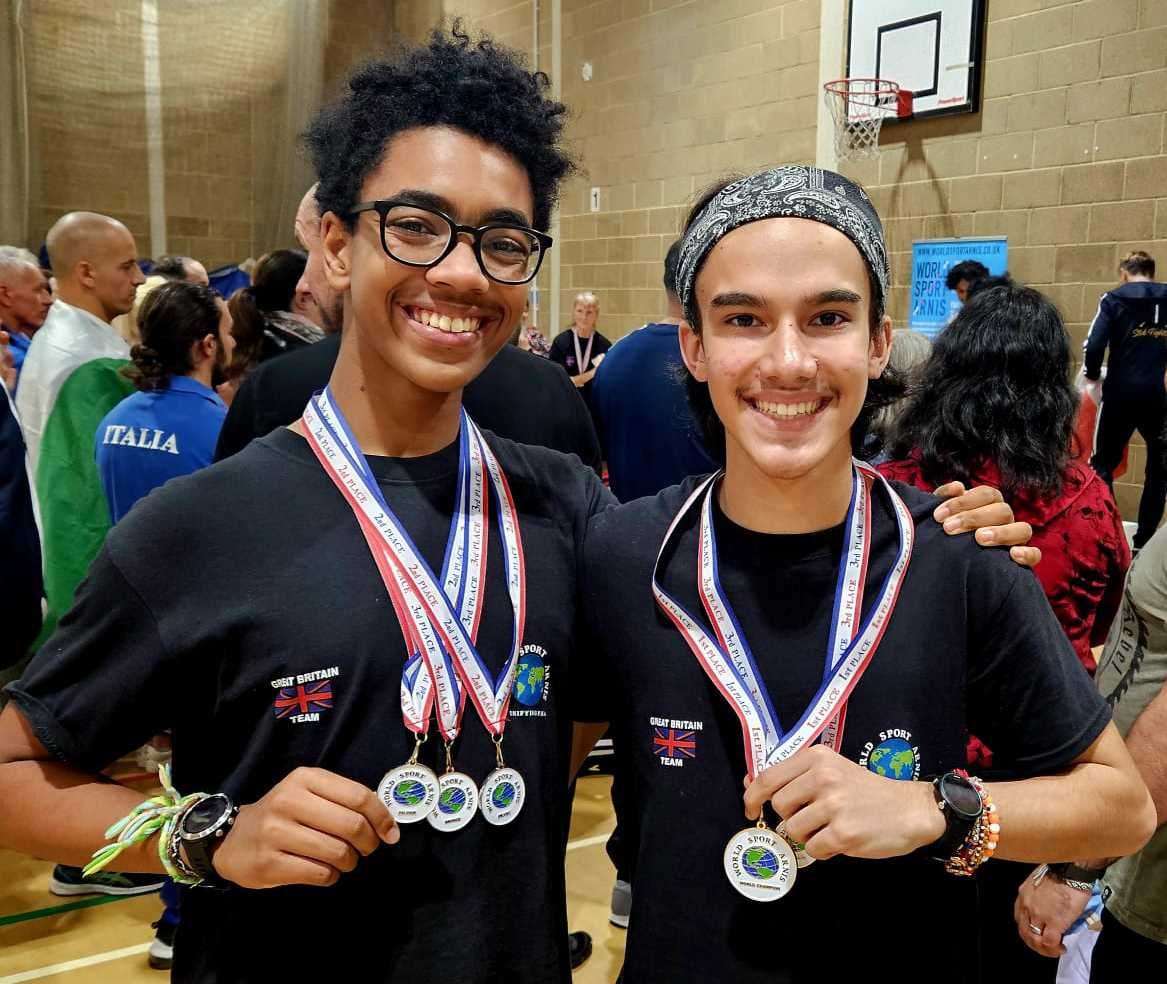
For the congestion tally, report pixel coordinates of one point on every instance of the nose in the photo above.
(459, 271)
(139, 277)
(302, 289)
(788, 359)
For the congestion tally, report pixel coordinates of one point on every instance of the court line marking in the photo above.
(571, 846)
(79, 964)
(57, 910)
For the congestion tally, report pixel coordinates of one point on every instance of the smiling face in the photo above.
(785, 344)
(436, 327)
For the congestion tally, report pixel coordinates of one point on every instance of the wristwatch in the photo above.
(959, 801)
(200, 832)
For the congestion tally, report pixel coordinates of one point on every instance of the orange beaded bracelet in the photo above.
(981, 842)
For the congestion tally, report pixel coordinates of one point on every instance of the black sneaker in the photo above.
(161, 954)
(579, 945)
(67, 880)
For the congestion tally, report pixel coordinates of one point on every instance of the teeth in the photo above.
(787, 410)
(442, 322)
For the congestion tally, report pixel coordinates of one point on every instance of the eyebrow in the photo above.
(736, 298)
(837, 295)
(427, 199)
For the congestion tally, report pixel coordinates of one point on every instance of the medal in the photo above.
(410, 791)
(439, 620)
(501, 796)
(726, 658)
(760, 864)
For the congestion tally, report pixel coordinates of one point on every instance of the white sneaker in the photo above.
(621, 904)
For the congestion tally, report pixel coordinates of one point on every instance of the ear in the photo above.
(880, 349)
(336, 242)
(85, 275)
(693, 352)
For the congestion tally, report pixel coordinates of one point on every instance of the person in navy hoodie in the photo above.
(170, 426)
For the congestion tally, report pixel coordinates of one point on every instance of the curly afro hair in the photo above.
(472, 85)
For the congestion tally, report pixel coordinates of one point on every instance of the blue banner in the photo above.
(933, 305)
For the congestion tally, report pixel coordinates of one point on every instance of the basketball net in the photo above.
(858, 108)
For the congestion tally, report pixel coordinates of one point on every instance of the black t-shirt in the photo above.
(226, 594)
(972, 645)
(517, 396)
(563, 354)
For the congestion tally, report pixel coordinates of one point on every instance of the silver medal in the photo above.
(410, 792)
(500, 798)
(804, 860)
(760, 864)
(457, 802)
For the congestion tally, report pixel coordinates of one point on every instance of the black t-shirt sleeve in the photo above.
(1029, 698)
(592, 681)
(104, 683)
(580, 433)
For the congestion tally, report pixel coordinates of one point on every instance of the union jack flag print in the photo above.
(673, 743)
(304, 699)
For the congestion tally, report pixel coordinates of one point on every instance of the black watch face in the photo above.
(961, 796)
(202, 815)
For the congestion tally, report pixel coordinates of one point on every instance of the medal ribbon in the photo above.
(587, 352)
(440, 623)
(727, 659)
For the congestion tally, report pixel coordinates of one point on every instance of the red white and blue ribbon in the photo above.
(439, 618)
(726, 657)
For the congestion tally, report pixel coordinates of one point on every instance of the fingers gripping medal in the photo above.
(760, 863)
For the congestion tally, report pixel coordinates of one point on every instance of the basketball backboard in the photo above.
(930, 47)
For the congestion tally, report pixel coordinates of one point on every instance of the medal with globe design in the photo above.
(760, 864)
(409, 792)
(501, 796)
(804, 860)
(457, 802)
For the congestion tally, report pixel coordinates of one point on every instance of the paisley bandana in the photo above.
(791, 191)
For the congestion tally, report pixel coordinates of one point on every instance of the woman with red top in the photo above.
(993, 404)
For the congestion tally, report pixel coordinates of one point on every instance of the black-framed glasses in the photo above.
(419, 236)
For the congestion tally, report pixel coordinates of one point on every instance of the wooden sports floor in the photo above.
(95, 940)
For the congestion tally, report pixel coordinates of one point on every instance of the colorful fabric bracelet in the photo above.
(158, 815)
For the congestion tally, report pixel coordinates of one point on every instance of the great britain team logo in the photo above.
(674, 740)
(892, 755)
(303, 698)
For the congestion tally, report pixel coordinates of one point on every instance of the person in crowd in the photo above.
(988, 283)
(312, 290)
(290, 659)
(963, 276)
(995, 404)
(517, 396)
(126, 324)
(529, 338)
(263, 316)
(649, 437)
(836, 610)
(167, 429)
(909, 351)
(25, 300)
(1131, 323)
(170, 426)
(185, 268)
(581, 348)
(20, 553)
(1132, 677)
(71, 380)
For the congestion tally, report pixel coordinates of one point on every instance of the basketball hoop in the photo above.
(859, 107)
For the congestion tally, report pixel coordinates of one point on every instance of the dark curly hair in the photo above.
(995, 389)
(881, 392)
(273, 288)
(475, 86)
(970, 270)
(172, 318)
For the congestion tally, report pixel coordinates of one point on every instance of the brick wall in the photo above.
(223, 71)
(1067, 158)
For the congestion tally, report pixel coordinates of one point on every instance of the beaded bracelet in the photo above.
(981, 842)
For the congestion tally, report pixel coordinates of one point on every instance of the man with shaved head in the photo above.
(25, 300)
(182, 268)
